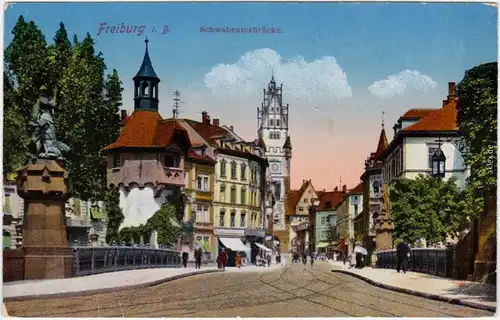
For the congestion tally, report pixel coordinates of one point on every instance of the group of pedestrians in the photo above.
(198, 255)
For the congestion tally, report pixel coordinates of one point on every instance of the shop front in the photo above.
(230, 239)
(254, 239)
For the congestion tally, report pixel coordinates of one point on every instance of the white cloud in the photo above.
(321, 79)
(398, 84)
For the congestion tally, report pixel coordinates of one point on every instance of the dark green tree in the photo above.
(177, 200)
(477, 121)
(59, 57)
(26, 65)
(428, 208)
(114, 215)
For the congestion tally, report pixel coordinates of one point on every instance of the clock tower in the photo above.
(272, 122)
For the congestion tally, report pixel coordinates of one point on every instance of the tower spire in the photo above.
(146, 84)
(383, 113)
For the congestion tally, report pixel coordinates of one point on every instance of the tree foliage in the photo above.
(428, 208)
(114, 215)
(477, 121)
(88, 104)
(161, 222)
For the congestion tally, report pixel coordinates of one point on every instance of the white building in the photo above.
(272, 120)
(417, 135)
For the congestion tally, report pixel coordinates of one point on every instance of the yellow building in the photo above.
(199, 188)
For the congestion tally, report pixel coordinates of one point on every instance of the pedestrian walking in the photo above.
(344, 257)
(197, 257)
(268, 258)
(304, 259)
(403, 254)
(185, 257)
(223, 259)
(312, 258)
(238, 260)
(352, 260)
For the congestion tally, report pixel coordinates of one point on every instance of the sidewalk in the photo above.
(99, 283)
(472, 294)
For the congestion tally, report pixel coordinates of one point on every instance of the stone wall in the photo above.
(13, 265)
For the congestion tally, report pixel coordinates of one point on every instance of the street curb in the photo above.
(419, 293)
(108, 290)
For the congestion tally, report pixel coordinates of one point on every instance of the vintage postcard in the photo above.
(249, 159)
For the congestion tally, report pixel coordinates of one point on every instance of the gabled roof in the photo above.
(444, 119)
(146, 129)
(192, 155)
(295, 195)
(208, 131)
(330, 199)
(356, 190)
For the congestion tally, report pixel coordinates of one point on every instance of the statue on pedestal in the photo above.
(44, 131)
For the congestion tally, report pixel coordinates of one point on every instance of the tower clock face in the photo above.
(275, 167)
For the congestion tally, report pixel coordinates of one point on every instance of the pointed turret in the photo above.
(146, 85)
(382, 140)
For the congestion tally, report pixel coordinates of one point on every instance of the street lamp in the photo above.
(312, 224)
(438, 164)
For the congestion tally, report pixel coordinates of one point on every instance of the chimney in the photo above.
(336, 189)
(344, 188)
(216, 122)
(123, 114)
(205, 118)
(451, 91)
(231, 128)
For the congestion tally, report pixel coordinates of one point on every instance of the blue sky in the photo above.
(434, 43)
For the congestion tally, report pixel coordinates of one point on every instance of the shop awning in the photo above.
(263, 247)
(322, 245)
(234, 244)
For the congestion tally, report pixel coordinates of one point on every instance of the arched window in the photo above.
(243, 171)
(243, 200)
(233, 170)
(223, 168)
(233, 194)
(144, 88)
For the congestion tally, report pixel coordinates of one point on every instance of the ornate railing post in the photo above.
(92, 261)
(77, 261)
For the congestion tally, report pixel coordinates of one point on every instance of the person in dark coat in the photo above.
(197, 257)
(223, 259)
(185, 257)
(403, 254)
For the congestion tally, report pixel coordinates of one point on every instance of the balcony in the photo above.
(302, 226)
(174, 176)
(77, 223)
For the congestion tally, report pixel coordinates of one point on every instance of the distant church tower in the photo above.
(272, 122)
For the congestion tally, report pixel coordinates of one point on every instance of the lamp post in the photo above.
(312, 225)
(438, 162)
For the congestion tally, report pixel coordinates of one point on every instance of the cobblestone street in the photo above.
(290, 291)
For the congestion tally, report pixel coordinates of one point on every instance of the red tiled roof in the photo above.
(330, 199)
(444, 119)
(146, 129)
(193, 155)
(416, 113)
(293, 199)
(208, 131)
(356, 189)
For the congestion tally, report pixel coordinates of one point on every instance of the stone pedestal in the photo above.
(383, 226)
(44, 186)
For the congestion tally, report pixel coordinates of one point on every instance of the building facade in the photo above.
(273, 133)
(300, 204)
(239, 186)
(347, 210)
(417, 135)
(146, 162)
(13, 215)
(199, 211)
(372, 196)
(326, 220)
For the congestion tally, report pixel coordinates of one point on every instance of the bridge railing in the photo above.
(435, 261)
(94, 260)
